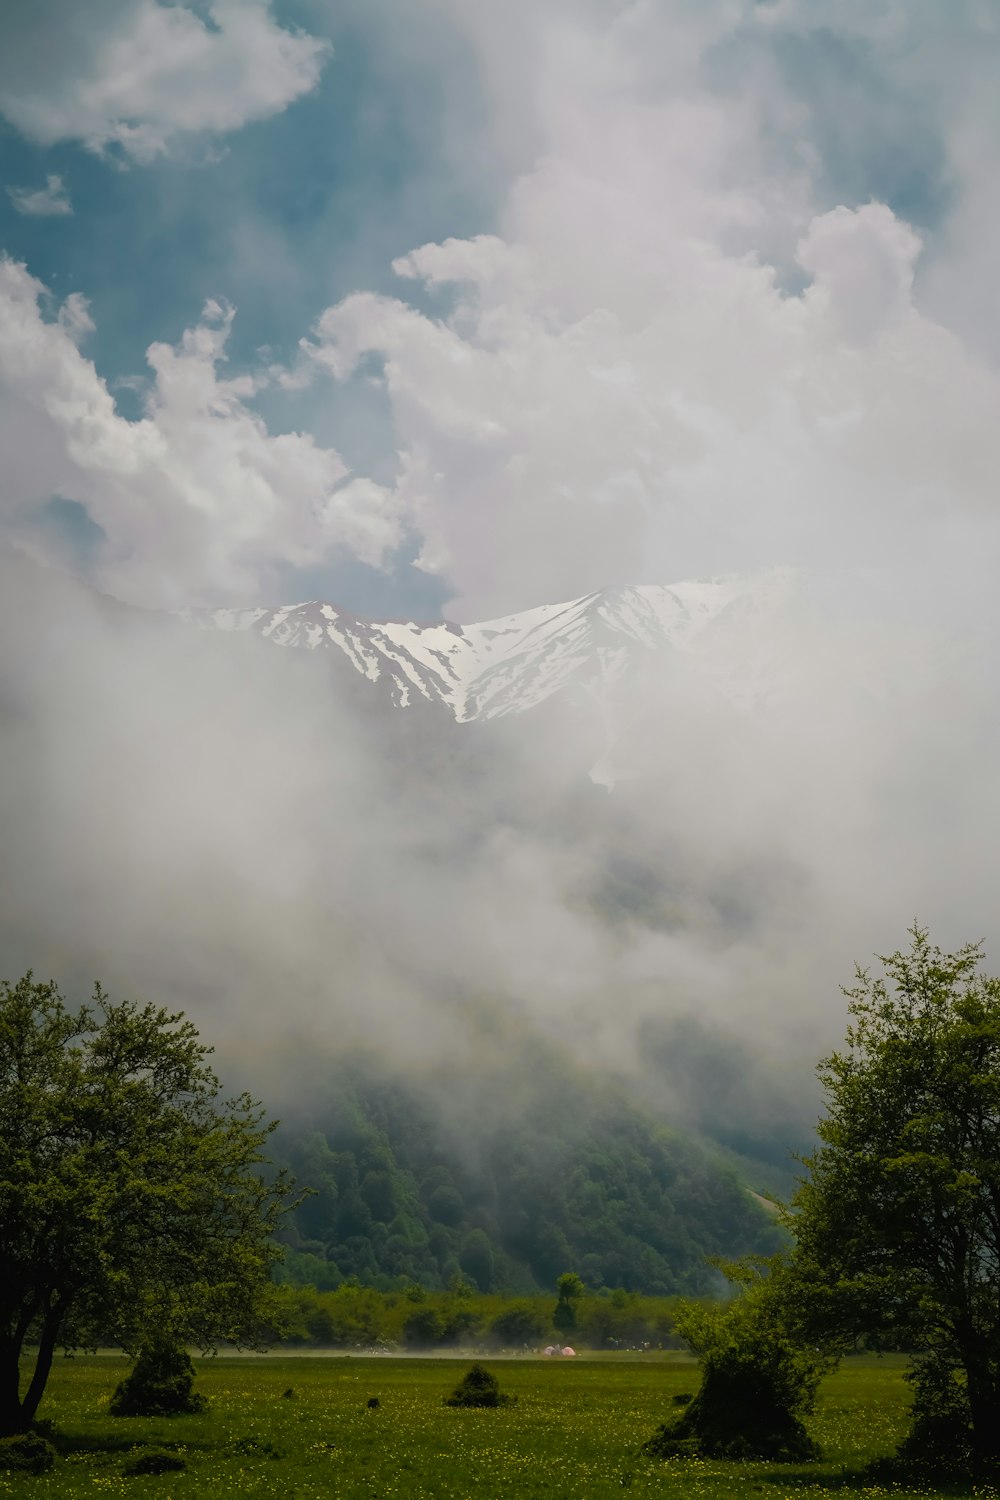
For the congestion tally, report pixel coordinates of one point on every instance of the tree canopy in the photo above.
(897, 1225)
(131, 1196)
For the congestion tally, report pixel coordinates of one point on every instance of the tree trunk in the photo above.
(11, 1416)
(984, 1406)
(981, 1387)
(43, 1363)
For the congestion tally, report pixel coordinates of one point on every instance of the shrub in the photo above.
(160, 1384)
(156, 1461)
(257, 1448)
(740, 1412)
(757, 1381)
(26, 1453)
(940, 1434)
(478, 1387)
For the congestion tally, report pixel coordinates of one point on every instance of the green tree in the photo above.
(516, 1324)
(897, 1224)
(130, 1195)
(476, 1259)
(424, 1328)
(570, 1289)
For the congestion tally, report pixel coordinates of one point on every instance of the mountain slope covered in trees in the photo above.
(534, 1171)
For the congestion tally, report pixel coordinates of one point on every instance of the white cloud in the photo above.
(197, 500)
(863, 262)
(147, 73)
(74, 317)
(628, 379)
(621, 388)
(49, 202)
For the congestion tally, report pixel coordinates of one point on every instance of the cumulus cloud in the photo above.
(685, 417)
(137, 77)
(197, 499)
(629, 380)
(49, 202)
(863, 262)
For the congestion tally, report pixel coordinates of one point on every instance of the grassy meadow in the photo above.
(575, 1431)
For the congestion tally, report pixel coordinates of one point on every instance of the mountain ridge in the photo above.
(492, 668)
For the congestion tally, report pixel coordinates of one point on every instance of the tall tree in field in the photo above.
(898, 1223)
(570, 1288)
(130, 1195)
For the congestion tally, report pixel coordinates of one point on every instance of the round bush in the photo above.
(736, 1415)
(26, 1453)
(478, 1387)
(156, 1461)
(161, 1384)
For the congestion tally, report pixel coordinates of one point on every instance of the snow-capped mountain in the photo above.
(505, 666)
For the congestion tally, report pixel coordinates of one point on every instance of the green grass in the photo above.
(576, 1431)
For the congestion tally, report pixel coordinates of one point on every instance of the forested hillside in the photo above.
(506, 1182)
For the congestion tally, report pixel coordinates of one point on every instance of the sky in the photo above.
(449, 308)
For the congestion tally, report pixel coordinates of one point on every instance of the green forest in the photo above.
(538, 1170)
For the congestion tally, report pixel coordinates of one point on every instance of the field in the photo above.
(575, 1431)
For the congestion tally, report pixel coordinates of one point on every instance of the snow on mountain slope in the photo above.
(506, 666)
